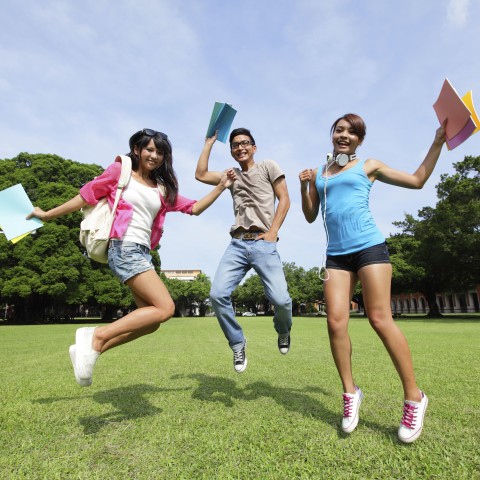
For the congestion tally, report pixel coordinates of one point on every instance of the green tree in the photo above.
(188, 295)
(250, 294)
(197, 293)
(440, 250)
(313, 286)
(47, 273)
(295, 277)
(177, 290)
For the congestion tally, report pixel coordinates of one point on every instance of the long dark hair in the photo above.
(163, 175)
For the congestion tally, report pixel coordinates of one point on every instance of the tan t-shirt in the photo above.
(253, 196)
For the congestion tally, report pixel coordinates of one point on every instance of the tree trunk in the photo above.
(26, 312)
(434, 310)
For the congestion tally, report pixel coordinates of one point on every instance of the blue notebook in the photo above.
(14, 207)
(221, 120)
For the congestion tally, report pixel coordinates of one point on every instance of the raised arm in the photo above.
(226, 179)
(202, 173)
(378, 170)
(308, 191)
(281, 192)
(76, 203)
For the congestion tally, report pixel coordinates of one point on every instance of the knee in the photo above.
(378, 322)
(166, 313)
(283, 304)
(337, 326)
(218, 295)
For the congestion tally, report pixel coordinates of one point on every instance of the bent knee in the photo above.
(284, 303)
(380, 322)
(166, 313)
(219, 296)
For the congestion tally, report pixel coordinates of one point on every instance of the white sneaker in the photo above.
(412, 419)
(85, 355)
(351, 409)
(72, 352)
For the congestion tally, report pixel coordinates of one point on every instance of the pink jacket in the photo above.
(105, 185)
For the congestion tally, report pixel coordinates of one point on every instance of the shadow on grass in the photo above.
(226, 391)
(129, 403)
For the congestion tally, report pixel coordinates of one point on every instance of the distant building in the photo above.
(448, 302)
(185, 275)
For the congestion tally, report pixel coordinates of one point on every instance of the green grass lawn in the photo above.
(170, 406)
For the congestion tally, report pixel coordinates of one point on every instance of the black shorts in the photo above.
(353, 262)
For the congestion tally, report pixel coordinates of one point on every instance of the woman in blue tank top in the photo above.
(356, 250)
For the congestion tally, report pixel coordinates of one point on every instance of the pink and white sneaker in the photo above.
(412, 419)
(351, 409)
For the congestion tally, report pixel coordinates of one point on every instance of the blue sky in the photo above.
(77, 78)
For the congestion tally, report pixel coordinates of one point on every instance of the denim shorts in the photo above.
(127, 259)
(353, 262)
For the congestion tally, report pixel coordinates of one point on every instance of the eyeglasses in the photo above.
(243, 143)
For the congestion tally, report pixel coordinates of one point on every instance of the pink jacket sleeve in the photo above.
(182, 204)
(102, 186)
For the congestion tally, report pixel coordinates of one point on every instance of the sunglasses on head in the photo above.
(151, 133)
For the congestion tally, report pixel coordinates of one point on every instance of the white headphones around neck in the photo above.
(341, 159)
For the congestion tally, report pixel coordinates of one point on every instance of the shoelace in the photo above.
(238, 357)
(283, 341)
(347, 405)
(409, 415)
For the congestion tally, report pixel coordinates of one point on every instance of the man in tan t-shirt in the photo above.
(254, 240)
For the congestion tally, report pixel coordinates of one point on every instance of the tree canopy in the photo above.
(440, 250)
(48, 275)
(48, 271)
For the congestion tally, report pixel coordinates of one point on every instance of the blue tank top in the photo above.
(349, 223)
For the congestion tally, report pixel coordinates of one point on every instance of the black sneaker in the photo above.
(284, 343)
(240, 359)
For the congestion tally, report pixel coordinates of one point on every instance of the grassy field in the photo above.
(170, 406)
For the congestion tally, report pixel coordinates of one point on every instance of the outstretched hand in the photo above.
(37, 213)
(211, 140)
(228, 177)
(440, 134)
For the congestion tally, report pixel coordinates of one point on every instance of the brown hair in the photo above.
(357, 123)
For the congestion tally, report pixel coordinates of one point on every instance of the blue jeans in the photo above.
(238, 259)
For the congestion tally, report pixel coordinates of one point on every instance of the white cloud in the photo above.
(457, 12)
(78, 78)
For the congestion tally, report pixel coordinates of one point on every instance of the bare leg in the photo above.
(376, 281)
(154, 307)
(338, 293)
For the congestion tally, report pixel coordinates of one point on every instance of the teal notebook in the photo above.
(221, 120)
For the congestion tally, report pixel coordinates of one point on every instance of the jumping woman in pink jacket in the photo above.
(151, 192)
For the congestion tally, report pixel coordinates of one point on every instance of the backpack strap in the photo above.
(125, 174)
